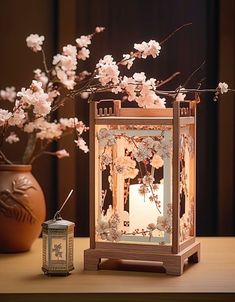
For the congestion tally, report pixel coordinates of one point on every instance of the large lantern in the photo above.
(142, 185)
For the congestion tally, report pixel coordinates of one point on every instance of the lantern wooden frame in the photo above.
(172, 257)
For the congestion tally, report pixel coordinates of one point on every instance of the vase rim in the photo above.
(16, 167)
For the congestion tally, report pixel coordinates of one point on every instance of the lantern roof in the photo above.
(57, 224)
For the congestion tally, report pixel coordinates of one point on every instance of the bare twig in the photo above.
(3, 156)
(168, 79)
(174, 32)
(193, 73)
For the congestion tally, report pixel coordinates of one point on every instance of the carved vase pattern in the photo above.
(22, 208)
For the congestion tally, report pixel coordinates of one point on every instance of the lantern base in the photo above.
(57, 272)
(173, 263)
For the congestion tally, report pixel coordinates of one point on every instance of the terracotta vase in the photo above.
(22, 208)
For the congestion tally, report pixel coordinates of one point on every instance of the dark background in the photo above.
(211, 37)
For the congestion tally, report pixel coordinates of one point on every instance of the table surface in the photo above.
(21, 274)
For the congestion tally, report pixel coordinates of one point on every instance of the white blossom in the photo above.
(4, 116)
(62, 153)
(12, 138)
(83, 54)
(18, 118)
(41, 77)
(81, 144)
(99, 29)
(148, 48)
(8, 94)
(107, 71)
(35, 42)
(223, 87)
(127, 60)
(83, 41)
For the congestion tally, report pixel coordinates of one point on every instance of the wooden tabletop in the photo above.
(213, 279)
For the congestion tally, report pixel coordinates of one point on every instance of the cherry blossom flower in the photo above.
(156, 161)
(180, 97)
(18, 118)
(83, 41)
(106, 137)
(81, 144)
(83, 54)
(223, 87)
(127, 60)
(8, 94)
(148, 48)
(12, 138)
(107, 71)
(164, 224)
(34, 41)
(5, 115)
(163, 148)
(142, 153)
(148, 180)
(99, 29)
(62, 153)
(41, 77)
(126, 166)
(36, 97)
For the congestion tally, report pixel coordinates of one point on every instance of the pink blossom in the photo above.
(83, 54)
(70, 50)
(81, 144)
(4, 116)
(148, 48)
(180, 97)
(107, 71)
(67, 80)
(12, 138)
(18, 118)
(8, 94)
(83, 41)
(34, 42)
(42, 107)
(62, 153)
(99, 29)
(41, 77)
(127, 60)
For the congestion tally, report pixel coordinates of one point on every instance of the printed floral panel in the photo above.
(187, 181)
(134, 175)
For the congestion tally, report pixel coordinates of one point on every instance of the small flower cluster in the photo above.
(108, 227)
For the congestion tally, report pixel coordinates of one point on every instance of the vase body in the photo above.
(22, 208)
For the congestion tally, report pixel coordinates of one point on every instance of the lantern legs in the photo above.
(91, 260)
(173, 263)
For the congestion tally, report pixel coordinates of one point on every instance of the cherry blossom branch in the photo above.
(174, 32)
(44, 61)
(161, 83)
(193, 73)
(3, 156)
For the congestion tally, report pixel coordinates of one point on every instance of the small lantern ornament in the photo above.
(143, 180)
(58, 237)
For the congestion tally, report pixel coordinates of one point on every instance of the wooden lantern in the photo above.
(143, 185)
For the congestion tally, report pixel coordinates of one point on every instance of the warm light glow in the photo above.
(142, 211)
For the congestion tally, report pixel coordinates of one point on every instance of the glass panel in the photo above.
(134, 176)
(187, 181)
